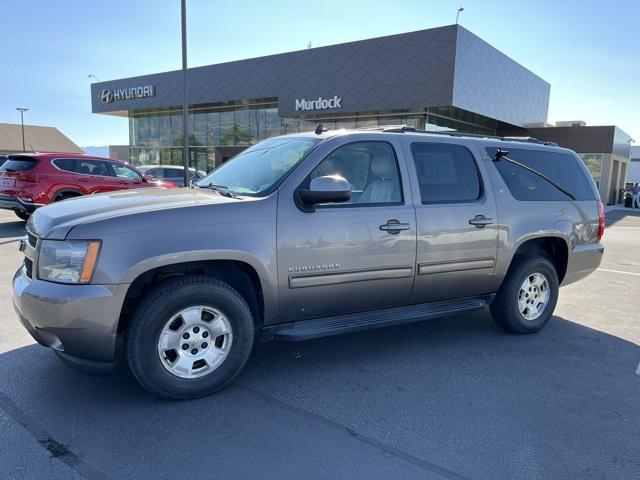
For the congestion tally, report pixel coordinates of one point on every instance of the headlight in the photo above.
(67, 261)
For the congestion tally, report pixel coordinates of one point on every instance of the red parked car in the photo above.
(30, 180)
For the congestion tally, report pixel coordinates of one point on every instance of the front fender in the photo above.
(269, 287)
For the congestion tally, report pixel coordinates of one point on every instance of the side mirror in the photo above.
(331, 188)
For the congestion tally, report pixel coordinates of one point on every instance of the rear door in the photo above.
(456, 222)
(96, 176)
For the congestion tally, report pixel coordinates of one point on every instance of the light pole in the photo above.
(22, 110)
(91, 75)
(461, 9)
(185, 102)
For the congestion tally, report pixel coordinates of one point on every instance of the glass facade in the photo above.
(594, 162)
(219, 132)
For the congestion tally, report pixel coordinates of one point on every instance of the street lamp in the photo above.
(91, 75)
(185, 103)
(461, 9)
(22, 110)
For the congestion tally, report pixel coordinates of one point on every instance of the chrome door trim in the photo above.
(302, 281)
(457, 266)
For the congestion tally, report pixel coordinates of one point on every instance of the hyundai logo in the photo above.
(106, 96)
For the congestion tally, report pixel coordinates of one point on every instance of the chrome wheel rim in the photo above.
(533, 296)
(195, 341)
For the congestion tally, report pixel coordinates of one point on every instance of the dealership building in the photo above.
(440, 79)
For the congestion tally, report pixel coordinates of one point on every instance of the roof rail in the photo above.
(408, 128)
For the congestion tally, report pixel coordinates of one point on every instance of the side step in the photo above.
(353, 322)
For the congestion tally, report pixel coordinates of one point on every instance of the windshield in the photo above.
(260, 167)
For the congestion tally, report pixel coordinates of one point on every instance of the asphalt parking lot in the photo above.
(454, 398)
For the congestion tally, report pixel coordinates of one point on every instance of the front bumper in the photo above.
(8, 202)
(79, 322)
(583, 259)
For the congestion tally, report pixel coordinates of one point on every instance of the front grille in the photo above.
(28, 267)
(32, 239)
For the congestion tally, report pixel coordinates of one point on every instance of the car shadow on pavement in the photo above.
(11, 229)
(614, 216)
(448, 398)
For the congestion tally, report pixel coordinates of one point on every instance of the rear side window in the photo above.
(18, 164)
(446, 173)
(562, 168)
(66, 164)
(97, 168)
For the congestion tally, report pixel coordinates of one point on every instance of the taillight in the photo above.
(600, 220)
(22, 176)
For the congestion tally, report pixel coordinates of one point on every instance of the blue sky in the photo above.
(589, 51)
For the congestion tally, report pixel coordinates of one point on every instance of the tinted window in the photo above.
(446, 173)
(122, 171)
(174, 173)
(66, 164)
(18, 164)
(93, 167)
(155, 172)
(562, 168)
(371, 169)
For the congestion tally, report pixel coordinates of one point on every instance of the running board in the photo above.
(353, 322)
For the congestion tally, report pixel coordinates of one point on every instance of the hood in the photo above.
(57, 219)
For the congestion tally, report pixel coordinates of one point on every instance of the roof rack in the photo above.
(408, 128)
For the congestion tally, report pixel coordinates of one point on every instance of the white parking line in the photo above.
(619, 271)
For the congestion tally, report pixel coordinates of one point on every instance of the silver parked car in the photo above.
(304, 236)
(170, 173)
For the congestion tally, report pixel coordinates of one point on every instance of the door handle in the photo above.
(480, 221)
(394, 227)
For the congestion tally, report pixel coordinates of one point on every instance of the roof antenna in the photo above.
(320, 128)
(500, 154)
(309, 45)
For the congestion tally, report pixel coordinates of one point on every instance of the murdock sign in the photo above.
(117, 94)
(319, 103)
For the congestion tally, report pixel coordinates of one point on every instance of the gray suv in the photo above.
(304, 236)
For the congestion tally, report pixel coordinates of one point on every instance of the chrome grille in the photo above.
(28, 246)
(32, 239)
(28, 267)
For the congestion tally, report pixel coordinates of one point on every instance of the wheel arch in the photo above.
(65, 191)
(240, 275)
(553, 246)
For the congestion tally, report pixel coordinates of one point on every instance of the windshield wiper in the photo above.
(221, 189)
(502, 155)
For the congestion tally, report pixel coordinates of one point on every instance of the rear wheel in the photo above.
(528, 296)
(189, 337)
(64, 196)
(22, 215)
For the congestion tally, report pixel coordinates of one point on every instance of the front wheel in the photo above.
(528, 295)
(189, 337)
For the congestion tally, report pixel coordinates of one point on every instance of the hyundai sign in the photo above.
(118, 94)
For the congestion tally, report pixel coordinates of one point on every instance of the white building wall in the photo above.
(633, 171)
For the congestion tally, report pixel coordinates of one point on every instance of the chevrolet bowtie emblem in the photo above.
(195, 341)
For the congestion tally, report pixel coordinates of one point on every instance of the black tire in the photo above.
(22, 215)
(157, 307)
(64, 196)
(504, 308)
